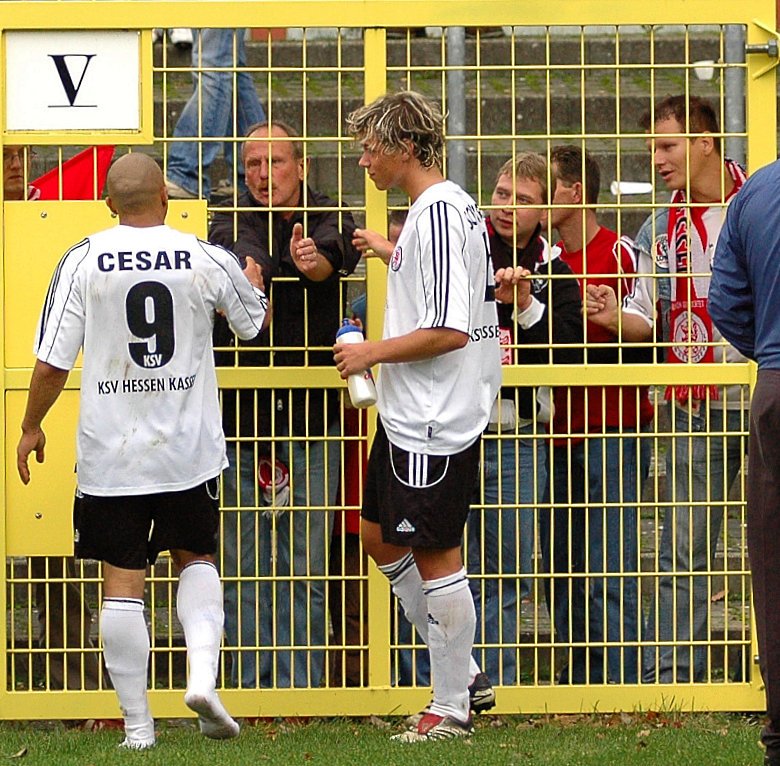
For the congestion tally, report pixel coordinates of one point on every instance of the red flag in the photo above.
(83, 176)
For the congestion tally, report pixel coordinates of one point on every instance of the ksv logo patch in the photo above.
(396, 258)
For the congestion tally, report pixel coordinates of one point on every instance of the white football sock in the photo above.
(451, 624)
(126, 653)
(200, 612)
(408, 587)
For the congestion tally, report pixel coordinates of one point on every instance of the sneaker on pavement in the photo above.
(482, 696)
(224, 188)
(178, 192)
(181, 38)
(432, 726)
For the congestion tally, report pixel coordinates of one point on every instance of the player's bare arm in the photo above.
(601, 308)
(46, 385)
(373, 244)
(513, 285)
(412, 347)
(308, 260)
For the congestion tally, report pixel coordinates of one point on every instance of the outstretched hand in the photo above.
(303, 251)
(254, 273)
(372, 244)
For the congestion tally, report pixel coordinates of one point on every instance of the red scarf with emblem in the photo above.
(689, 320)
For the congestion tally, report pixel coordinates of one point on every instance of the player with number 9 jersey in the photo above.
(149, 419)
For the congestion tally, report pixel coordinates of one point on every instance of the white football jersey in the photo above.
(440, 275)
(141, 302)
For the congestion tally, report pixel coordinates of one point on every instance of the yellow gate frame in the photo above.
(373, 15)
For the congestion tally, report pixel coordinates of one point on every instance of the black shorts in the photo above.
(128, 531)
(420, 501)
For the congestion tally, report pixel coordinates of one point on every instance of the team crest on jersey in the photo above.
(691, 333)
(661, 252)
(396, 258)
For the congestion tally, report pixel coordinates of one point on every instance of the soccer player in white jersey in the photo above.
(140, 299)
(440, 375)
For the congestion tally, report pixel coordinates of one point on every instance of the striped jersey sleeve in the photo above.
(60, 332)
(441, 237)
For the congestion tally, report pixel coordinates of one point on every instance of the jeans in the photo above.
(702, 469)
(212, 97)
(281, 563)
(501, 542)
(414, 665)
(599, 544)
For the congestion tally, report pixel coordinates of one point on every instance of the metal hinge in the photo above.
(770, 48)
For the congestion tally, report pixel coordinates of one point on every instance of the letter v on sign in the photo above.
(63, 70)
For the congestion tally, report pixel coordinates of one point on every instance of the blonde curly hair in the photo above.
(388, 122)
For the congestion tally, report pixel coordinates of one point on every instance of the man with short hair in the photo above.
(440, 375)
(140, 298)
(676, 245)
(595, 429)
(546, 311)
(303, 244)
(16, 172)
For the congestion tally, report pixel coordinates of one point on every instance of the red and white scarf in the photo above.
(689, 319)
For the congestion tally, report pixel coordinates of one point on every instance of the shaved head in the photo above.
(135, 183)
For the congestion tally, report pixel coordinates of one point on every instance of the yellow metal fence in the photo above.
(590, 595)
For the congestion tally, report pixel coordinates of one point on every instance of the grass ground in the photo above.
(639, 740)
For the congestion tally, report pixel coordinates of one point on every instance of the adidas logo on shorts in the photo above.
(405, 526)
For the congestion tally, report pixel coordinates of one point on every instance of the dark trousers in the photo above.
(348, 612)
(763, 529)
(65, 623)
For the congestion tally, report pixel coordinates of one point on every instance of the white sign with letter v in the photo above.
(62, 81)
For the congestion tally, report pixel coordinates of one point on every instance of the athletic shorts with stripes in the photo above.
(129, 531)
(420, 501)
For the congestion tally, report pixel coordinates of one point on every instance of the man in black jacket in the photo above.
(303, 243)
(535, 313)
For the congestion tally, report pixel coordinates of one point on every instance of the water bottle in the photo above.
(362, 390)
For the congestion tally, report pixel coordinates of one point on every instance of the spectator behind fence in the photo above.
(440, 320)
(304, 251)
(64, 617)
(514, 471)
(677, 243)
(593, 529)
(149, 448)
(223, 105)
(743, 302)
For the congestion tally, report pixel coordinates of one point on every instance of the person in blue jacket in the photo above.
(743, 298)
